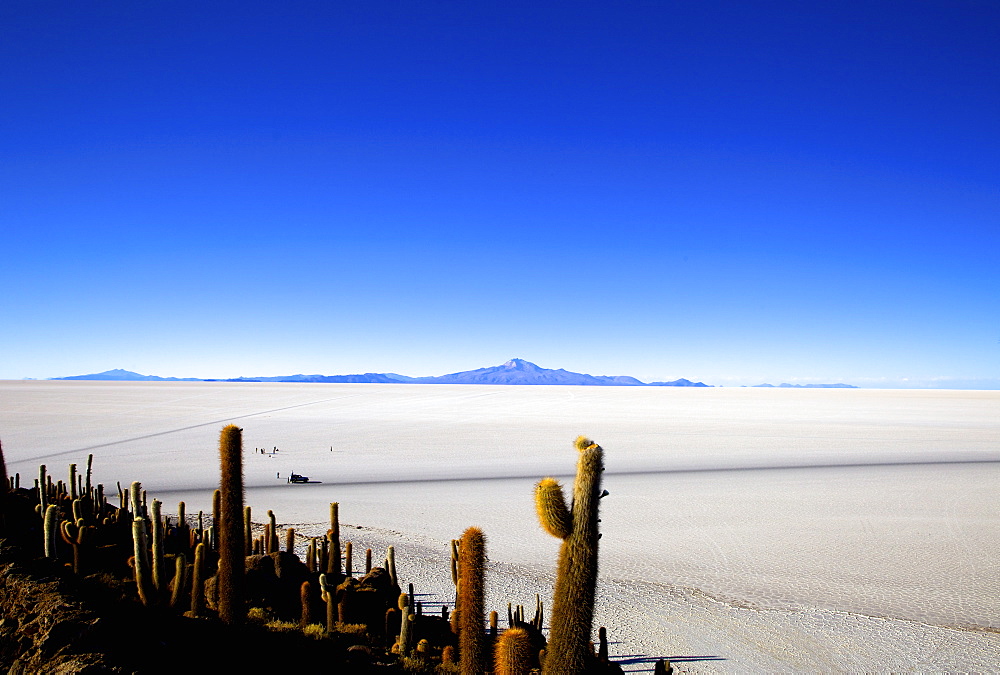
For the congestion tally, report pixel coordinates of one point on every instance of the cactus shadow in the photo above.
(645, 659)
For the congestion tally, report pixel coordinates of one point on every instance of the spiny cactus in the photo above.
(247, 531)
(90, 467)
(42, 492)
(514, 653)
(663, 668)
(305, 599)
(75, 534)
(159, 582)
(198, 582)
(231, 582)
(49, 530)
(179, 581)
(390, 567)
(143, 582)
(135, 499)
(472, 656)
(405, 625)
(602, 650)
(3, 483)
(272, 537)
(576, 580)
(333, 562)
(328, 595)
(72, 481)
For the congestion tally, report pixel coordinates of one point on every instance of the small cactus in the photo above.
(514, 653)
(135, 499)
(663, 667)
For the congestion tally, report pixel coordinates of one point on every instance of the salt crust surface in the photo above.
(747, 529)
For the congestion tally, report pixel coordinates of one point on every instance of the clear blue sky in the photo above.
(734, 192)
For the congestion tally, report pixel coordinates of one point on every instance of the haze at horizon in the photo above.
(729, 192)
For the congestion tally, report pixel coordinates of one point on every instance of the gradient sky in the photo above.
(728, 191)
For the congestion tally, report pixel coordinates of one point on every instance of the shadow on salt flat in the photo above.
(645, 659)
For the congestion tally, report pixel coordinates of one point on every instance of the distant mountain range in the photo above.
(515, 371)
(785, 385)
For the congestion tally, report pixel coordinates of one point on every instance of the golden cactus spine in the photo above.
(576, 580)
(472, 655)
(232, 602)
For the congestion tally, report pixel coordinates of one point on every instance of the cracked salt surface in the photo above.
(878, 553)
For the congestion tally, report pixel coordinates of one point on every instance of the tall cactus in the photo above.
(231, 586)
(473, 658)
(576, 580)
(141, 561)
(4, 488)
(156, 530)
(333, 534)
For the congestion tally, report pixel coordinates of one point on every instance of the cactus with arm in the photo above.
(576, 581)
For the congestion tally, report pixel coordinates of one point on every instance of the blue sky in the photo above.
(733, 192)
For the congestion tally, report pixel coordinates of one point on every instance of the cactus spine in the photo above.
(472, 656)
(576, 580)
(232, 602)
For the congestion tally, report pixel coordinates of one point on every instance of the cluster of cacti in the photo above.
(223, 570)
